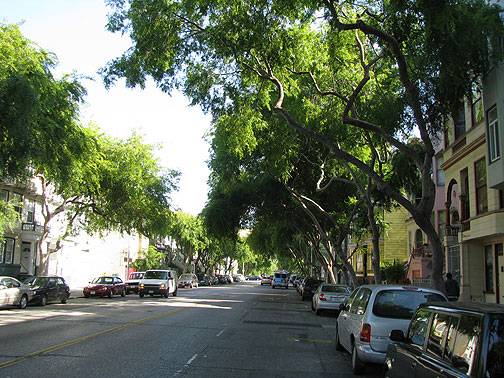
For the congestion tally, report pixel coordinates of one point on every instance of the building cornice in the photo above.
(466, 150)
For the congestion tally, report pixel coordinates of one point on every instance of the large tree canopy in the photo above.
(322, 67)
(38, 113)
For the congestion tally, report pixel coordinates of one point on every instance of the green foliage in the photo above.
(8, 217)
(393, 272)
(38, 113)
(152, 259)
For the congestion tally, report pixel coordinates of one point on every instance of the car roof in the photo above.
(468, 306)
(398, 287)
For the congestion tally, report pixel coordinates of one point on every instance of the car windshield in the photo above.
(135, 276)
(495, 356)
(156, 275)
(402, 304)
(334, 289)
(185, 277)
(278, 275)
(103, 280)
(37, 281)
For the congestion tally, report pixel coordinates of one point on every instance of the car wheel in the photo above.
(86, 295)
(318, 312)
(141, 295)
(190, 286)
(23, 302)
(64, 299)
(166, 294)
(357, 364)
(337, 343)
(43, 300)
(109, 294)
(123, 293)
(272, 286)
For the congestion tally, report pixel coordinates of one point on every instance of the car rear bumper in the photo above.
(328, 305)
(367, 354)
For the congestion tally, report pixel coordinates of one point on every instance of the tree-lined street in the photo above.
(232, 331)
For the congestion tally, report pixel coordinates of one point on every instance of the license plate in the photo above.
(93, 292)
(151, 292)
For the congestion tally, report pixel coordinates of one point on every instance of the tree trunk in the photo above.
(375, 235)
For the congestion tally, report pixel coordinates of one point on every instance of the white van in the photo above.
(158, 282)
(280, 279)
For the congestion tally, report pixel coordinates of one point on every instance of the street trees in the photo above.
(328, 60)
(116, 185)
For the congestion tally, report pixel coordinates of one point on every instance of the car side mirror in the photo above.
(397, 335)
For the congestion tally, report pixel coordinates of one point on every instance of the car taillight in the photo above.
(365, 333)
(322, 297)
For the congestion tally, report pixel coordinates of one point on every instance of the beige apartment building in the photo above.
(474, 173)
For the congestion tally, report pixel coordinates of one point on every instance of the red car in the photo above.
(105, 287)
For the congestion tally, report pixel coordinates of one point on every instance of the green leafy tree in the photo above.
(383, 68)
(151, 259)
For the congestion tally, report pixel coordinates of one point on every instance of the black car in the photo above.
(204, 280)
(452, 339)
(309, 287)
(48, 289)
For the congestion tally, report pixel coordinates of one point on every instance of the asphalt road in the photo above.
(239, 330)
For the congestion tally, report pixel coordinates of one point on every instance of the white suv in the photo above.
(371, 313)
(158, 282)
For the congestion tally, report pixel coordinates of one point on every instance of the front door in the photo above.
(500, 272)
(26, 258)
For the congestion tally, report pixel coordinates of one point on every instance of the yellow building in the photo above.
(393, 244)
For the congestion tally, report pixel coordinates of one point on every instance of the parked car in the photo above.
(189, 280)
(133, 281)
(222, 279)
(309, 287)
(449, 340)
(280, 279)
(238, 278)
(253, 278)
(329, 297)
(105, 286)
(158, 282)
(371, 313)
(14, 293)
(204, 280)
(214, 280)
(48, 289)
(299, 284)
(266, 280)
(229, 278)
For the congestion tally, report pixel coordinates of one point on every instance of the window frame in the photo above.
(483, 187)
(3, 251)
(489, 272)
(493, 135)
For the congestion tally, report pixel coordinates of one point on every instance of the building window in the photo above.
(4, 195)
(489, 269)
(493, 135)
(465, 203)
(476, 105)
(440, 176)
(17, 202)
(7, 251)
(30, 211)
(481, 186)
(441, 223)
(459, 121)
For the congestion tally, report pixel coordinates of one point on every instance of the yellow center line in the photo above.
(81, 339)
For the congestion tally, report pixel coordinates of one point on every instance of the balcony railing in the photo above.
(34, 227)
(453, 230)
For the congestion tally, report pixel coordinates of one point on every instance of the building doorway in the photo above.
(27, 261)
(499, 254)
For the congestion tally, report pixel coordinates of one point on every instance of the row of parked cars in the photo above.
(411, 331)
(37, 290)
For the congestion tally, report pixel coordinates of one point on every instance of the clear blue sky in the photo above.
(75, 31)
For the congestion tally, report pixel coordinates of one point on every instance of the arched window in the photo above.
(418, 238)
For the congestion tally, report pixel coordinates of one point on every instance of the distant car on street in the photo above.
(371, 313)
(14, 293)
(239, 278)
(105, 286)
(280, 279)
(329, 297)
(309, 286)
(189, 280)
(133, 281)
(266, 280)
(204, 280)
(48, 289)
(158, 282)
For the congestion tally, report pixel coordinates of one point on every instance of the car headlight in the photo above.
(162, 286)
(141, 286)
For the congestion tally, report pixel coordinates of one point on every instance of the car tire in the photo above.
(109, 294)
(190, 286)
(272, 286)
(337, 343)
(318, 312)
(86, 295)
(64, 300)
(357, 364)
(123, 293)
(141, 295)
(43, 300)
(23, 302)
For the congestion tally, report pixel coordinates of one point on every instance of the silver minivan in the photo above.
(371, 313)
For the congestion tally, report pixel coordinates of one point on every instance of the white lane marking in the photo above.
(191, 360)
(220, 333)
